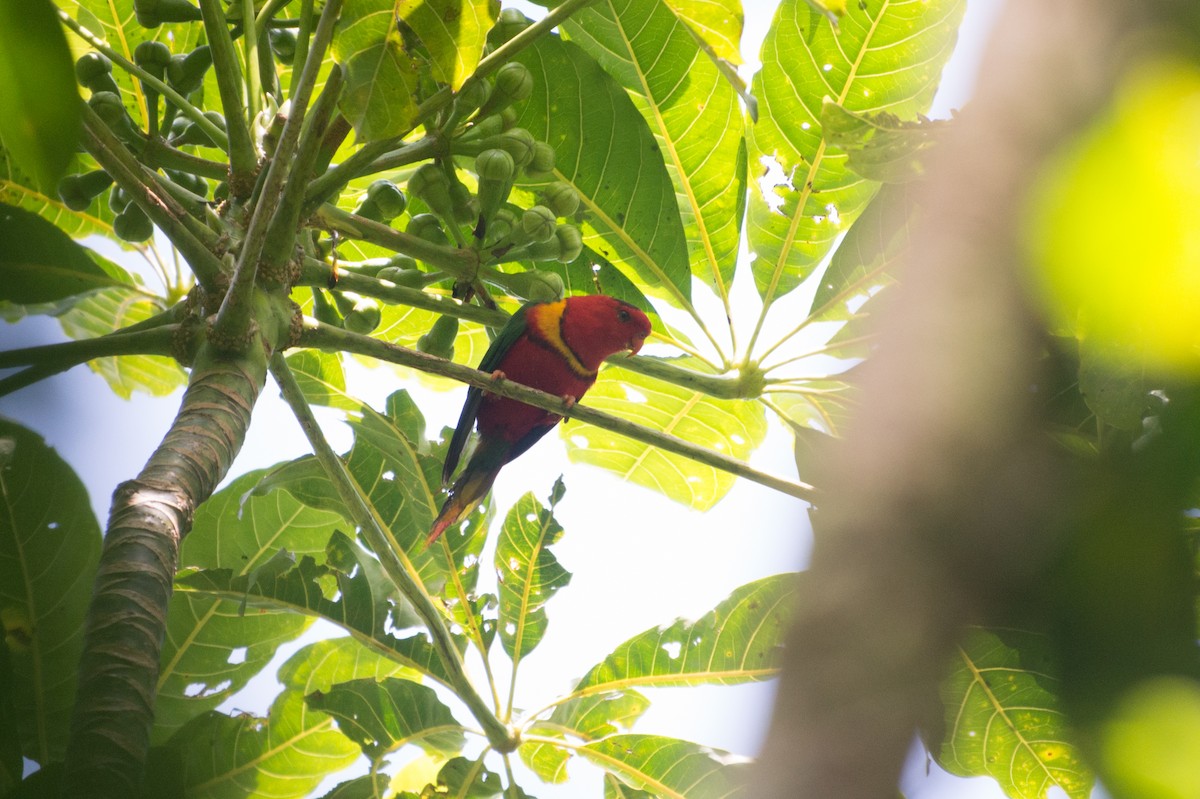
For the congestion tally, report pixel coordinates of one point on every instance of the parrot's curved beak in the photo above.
(634, 345)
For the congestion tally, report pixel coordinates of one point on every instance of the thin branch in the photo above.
(318, 334)
(156, 341)
(243, 160)
(458, 262)
(400, 572)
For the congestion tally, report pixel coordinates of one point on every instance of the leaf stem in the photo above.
(401, 574)
(250, 55)
(318, 334)
(243, 160)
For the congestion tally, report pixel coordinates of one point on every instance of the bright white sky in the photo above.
(638, 559)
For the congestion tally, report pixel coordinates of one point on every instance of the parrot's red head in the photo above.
(596, 326)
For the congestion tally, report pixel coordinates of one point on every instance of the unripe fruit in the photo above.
(323, 310)
(463, 202)
(535, 285)
(94, 72)
(518, 142)
(500, 227)
(283, 43)
(508, 24)
(401, 261)
(431, 184)
(133, 225)
(539, 223)
(193, 183)
(571, 241)
(513, 83)
(118, 199)
(427, 227)
(495, 169)
(439, 340)
(542, 160)
(152, 13)
(78, 191)
(412, 278)
(111, 110)
(154, 57)
(561, 198)
(359, 314)
(388, 198)
(472, 95)
(186, 72)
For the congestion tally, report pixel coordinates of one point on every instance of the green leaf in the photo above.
(1112, 380)
(321, 664)
(738, 641)
(718, 24)
(615, 789)
(880, 146)
(630, 213)
(350, 591)
(41, 121)
(466, 779)
(453, 31)
(528, 573)
(40, 263)
(284, 756)
(588, 717)
(383, 716)
(212, 646)
(381, 77)
(107, 310)
(1004, 718)
(691, 109)
(667, 767)
(49, 548)
(322, 379)
(883, 56)
(368, 786)
(732, 427)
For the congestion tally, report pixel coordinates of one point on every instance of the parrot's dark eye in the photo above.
(623, 314)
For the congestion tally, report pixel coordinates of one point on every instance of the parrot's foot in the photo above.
(498, 375)
(568, 400)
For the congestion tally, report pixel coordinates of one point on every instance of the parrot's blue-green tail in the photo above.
(468, 491)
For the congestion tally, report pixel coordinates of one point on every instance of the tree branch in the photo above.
(318, 334)
(243, 160)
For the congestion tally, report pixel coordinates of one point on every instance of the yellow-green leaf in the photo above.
(453, 31)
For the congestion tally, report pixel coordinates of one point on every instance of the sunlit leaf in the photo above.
(732, 427)
(1004, 719)
(40, 263)
(18, 189)
(1112, 380)
(589, 718)
(212, 648)
(322, 379)
(880, 146)
(453, 31)
(110, 309)
(691, 109)
(467, 779)
(605, 150)
(41, 121)
(528, 573)
(667, 767)
(49, 548)
(381, 76)
(287, 754)
(1151, 742)
(385, 715)
(738, 641)
(887, 56)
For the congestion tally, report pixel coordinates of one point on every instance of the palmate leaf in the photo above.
(585, 717)
(718, 24)
(49, 548)
(453, 31)
(604, 149)
(528, 573)
(880, 146)
(350, 591)
(110, 309)
(382, 716)
(883, 56)
(691, 109)
(322, 379)
(668, 767)
(285, 755)
(212, 648)
(736, 642)
(732, 427)
(1003, 718)
(381, 76)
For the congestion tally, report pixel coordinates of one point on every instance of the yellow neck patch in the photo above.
(545, 325)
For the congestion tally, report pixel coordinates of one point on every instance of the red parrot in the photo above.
(553, 346)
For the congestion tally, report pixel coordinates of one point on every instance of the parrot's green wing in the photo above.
(496, 351)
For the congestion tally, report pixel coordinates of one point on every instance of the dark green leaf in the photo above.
(605, 150)
(41, 120)
(1004, 719)
(528, 573)
(39, 263)
(49, 548)
(383, 716)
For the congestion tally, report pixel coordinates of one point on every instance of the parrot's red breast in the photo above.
(556, 347)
